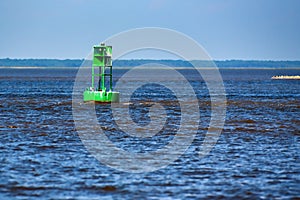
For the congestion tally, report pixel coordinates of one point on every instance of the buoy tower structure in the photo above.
(102, 63)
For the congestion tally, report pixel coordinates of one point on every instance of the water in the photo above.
(256, 156)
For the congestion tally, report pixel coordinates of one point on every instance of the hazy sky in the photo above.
(227, 29)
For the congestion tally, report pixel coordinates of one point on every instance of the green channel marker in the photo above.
(102, 59)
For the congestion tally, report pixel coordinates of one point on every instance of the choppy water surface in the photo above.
(257, 155)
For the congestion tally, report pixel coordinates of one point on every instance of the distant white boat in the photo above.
(286, 77)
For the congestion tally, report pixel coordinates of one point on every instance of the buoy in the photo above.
(102, 59)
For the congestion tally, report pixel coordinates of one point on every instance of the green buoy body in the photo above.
(102, 59)
(101, 96)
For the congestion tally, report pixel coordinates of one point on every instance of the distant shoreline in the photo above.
(225, 64)
(130, 67)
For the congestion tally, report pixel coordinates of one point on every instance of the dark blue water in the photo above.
(257, 155)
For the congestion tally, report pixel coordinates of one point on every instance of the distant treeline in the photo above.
(40, 62)
(258, 64)
(130, 63)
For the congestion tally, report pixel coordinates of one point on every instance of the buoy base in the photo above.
(101, 96)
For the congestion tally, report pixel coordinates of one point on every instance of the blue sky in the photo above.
(227, 29)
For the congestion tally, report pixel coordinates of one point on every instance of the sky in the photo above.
(227, 29)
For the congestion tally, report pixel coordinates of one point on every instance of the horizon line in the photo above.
(233, 59)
